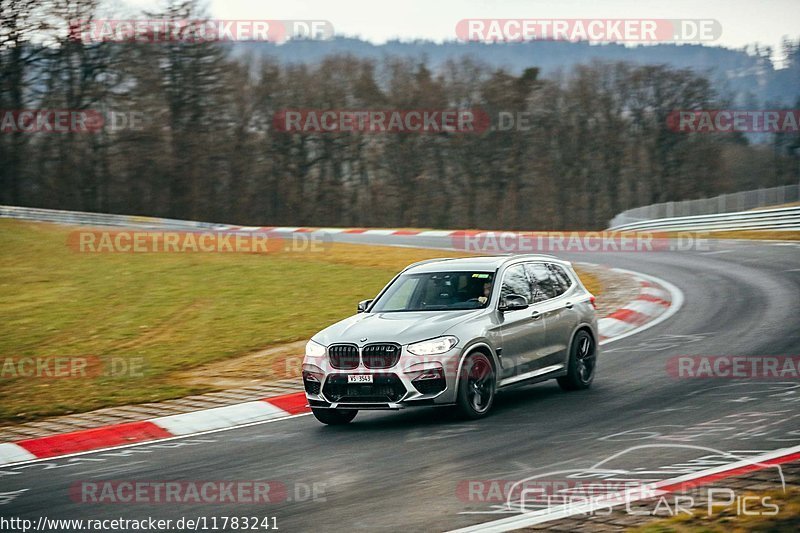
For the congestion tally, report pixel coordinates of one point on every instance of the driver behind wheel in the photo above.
(487, 291)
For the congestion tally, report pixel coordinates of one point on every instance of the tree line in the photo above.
(592, 141)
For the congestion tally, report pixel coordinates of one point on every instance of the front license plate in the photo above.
(359, 378)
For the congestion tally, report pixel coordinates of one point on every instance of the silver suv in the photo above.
(454, 332)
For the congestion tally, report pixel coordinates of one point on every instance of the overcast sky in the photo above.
(743, 21)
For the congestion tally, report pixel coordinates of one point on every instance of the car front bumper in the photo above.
(413, 381)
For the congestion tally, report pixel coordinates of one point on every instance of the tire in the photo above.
(334, 417)
(582, 363)
(476, 388)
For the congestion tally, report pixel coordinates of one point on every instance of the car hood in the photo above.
(399, 327)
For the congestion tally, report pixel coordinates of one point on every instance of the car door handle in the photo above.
(536, 315)
(568, 305)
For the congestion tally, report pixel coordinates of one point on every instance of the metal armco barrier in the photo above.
(102, 219)
(724, 203)
(786, 218)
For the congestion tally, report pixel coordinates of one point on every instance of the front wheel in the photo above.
(476, 387)
(334, 417)
(582, 362)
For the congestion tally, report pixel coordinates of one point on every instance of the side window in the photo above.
(543, 283)
(561, 276)
(516, 282)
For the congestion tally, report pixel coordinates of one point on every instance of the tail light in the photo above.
(593, 301)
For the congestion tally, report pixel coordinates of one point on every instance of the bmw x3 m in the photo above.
(454, 332)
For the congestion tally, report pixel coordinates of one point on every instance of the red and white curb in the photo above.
(356, 231)
(159, 428)
(657, 301)
(638, 493)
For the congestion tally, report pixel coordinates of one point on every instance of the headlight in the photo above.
(314, 349)
(433, 346)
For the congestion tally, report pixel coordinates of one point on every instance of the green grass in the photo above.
(174, 311)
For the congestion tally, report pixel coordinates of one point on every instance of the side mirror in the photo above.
(513, 302)
(362, 305)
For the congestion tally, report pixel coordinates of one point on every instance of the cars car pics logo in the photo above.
(610, 484)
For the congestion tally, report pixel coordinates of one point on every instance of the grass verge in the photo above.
(146, 318)
(772, 235)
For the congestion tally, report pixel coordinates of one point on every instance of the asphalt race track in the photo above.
(408, 470)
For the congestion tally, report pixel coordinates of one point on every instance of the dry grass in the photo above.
(771, 235)
(171, 311)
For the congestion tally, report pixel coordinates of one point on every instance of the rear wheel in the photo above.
(582, 362)
(334, 417)
(476, 387)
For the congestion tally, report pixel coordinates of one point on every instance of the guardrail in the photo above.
(786, 218)
(103, 219)
(724, 203)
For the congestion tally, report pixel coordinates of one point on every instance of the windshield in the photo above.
(437, 291)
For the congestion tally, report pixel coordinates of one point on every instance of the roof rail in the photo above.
(518, 256)
(426, 261)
